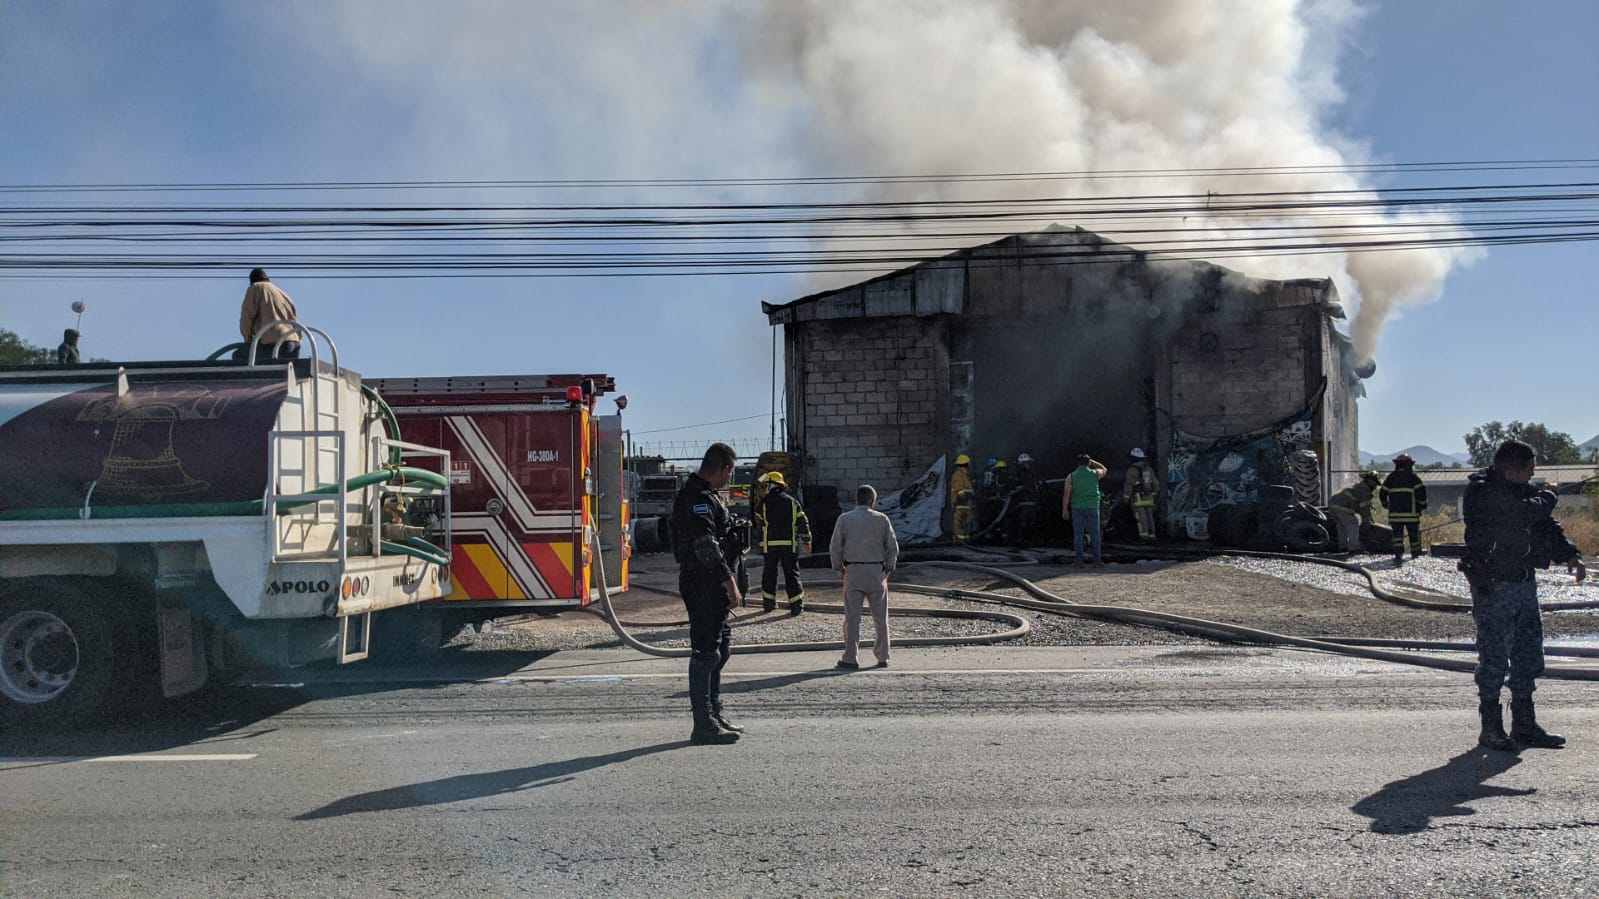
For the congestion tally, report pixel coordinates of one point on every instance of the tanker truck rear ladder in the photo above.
(327, 464)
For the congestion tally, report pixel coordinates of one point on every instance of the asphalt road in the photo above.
(1124, 771)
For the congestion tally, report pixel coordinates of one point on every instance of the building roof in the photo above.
(939, 286)
(1548, 474)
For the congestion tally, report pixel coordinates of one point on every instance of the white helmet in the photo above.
(1137, 453)
(1023, 458)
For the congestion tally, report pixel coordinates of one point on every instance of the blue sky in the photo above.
(360, 90)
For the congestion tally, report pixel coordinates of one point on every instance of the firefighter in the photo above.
(1139, 488)
(1357, 498)
(987, 491)
(960, 496)
(784, 529)
(1405, 497)
(1024, 503)
(702, 535)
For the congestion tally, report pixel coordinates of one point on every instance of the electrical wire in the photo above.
(624, 240)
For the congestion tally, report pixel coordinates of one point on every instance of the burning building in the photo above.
(1060, 342)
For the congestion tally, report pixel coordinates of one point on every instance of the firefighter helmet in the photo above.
(1137, 453)
(1404, 459)
(1024, 459)
(963, 459)
(1371, 476)
(1001, 464)
(773, 477)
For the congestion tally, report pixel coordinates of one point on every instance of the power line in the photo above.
(703, 424)
(824, 180)
(620, 240)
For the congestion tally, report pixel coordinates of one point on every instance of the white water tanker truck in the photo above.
(165, 522)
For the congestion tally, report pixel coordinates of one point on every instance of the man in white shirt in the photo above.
(864, 551)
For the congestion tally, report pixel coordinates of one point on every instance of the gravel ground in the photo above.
(1299, 598)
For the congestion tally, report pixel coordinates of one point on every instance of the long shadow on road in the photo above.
(1410, 805)
(476, 786)
(733, 686)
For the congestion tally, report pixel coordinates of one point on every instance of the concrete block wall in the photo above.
(1230, 375)
(872, 399)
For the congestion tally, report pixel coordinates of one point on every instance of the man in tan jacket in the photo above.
(264, 303)
(865, 551)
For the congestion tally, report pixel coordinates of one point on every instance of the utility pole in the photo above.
(771, 439)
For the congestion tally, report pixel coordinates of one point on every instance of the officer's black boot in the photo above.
(720, 718)
(769, 603)
(1524, 727)
(796, 606)
(1493, 734)
(708, 731)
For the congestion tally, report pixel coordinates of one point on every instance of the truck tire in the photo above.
(58, 655)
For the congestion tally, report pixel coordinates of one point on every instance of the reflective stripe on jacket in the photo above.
(783, 522)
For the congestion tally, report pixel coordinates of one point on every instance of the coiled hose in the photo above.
(1405, 652)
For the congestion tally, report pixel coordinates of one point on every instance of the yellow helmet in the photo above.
(773, 477)
(963, 459)
(1001, 464)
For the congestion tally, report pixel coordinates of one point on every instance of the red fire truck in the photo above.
(535, 474)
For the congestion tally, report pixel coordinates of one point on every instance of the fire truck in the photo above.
(535, 476)
(164, 521)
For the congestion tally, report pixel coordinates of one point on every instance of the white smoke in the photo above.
(505, 89)
(917, 87)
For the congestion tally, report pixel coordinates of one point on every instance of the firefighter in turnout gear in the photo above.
(1139, 488)
(960, 497)
(1023, 514)
(1357, 498)
(987, 495)
(702, 535)
(785, 532)
(1405, 497)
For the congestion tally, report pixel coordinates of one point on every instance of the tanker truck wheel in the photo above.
(57, 655)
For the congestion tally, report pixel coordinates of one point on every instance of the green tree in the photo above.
(1550, 447)
(16, 351)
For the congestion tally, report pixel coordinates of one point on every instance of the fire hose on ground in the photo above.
(1406, 652)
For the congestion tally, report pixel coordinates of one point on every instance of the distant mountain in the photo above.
(1590, 444)
(1424, 455)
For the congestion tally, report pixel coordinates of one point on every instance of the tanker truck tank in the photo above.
(186, 517)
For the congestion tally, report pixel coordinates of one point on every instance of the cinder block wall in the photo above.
(873, 393)
(1246, 363)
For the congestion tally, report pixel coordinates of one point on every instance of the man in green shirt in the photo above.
(1080, 505)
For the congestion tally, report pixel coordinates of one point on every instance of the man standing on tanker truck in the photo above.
(701, 536)
(265, 303)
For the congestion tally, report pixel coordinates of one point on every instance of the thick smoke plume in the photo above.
(917, 87)
(726, 88)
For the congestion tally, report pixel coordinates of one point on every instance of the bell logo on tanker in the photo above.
(141, 462)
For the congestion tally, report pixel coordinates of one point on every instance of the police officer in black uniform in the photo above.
(1510, 531)
(703, 541)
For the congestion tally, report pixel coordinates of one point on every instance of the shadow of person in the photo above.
(1410, 805)
(734, 686)
(475, 786)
